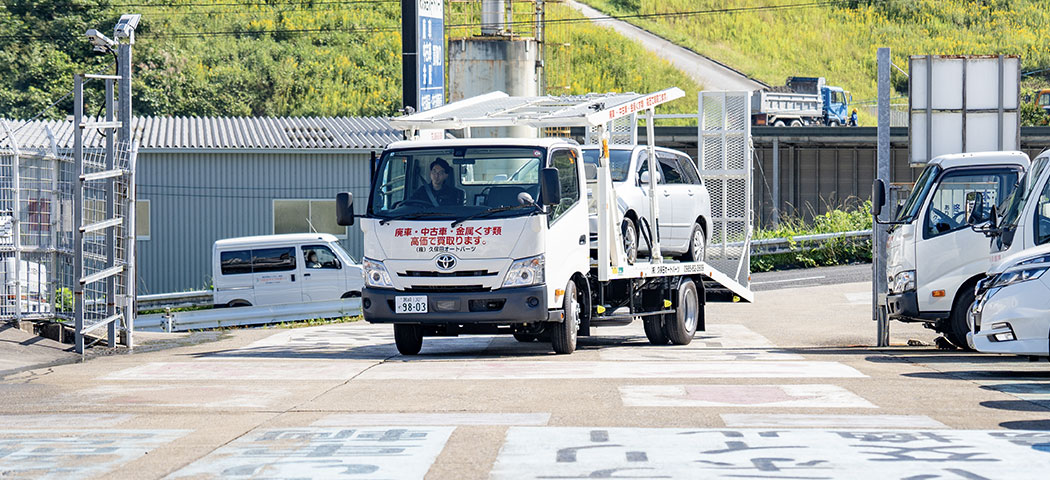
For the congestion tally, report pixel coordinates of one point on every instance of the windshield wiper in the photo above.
(495, 210)
(409, 216)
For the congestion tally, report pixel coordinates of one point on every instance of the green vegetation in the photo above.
(839, 42)
(275, 58)
(836, 251)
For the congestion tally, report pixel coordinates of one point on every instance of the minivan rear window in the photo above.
(260, 260)
(236, 262)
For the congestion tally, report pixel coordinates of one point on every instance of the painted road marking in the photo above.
(357, 341)
(526, 370)
(62, 454)
(421, 419)
(242, 370)
(573, 452)
(690, 352)
(314, 452)
(167, 395)
(716, 336)
(781, 420)
(764, 396)
(76, 420)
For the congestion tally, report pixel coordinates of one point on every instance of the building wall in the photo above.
(198, 197)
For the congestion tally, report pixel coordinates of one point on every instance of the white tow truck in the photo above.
(491, 235)
(934, 259)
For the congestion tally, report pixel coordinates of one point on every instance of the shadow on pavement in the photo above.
(1042, 425)
(1016, 405)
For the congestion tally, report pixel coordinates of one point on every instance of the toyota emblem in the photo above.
(446, 262)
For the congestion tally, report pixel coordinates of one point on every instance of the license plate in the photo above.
(410, 304)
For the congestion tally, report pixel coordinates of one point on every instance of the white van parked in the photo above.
(276, 269)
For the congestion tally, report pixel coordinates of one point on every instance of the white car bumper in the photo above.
(1014, 319)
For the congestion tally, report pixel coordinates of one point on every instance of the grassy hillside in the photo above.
(275, 57)
(839, 42)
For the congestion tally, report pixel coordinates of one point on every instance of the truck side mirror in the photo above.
(344, 208)
(550, 186)
(645, 177)
(878, 196)
(975, 208)
(590, 171)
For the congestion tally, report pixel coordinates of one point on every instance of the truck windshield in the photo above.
(451, 183)
(619, 162)
(918, 194)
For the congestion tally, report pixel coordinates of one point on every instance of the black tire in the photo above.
(956, 328)
(796, 123)
(525, 337)
(680, 326)
(563, 335)
(833, 123)
(238, 303)
(778, 123)
(630, 239)
(654, 331)
(408, 338)
(352, 294)
(697, 245)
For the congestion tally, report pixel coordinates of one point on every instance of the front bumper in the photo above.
(1019, 310)
(903, 306)
(505, 306)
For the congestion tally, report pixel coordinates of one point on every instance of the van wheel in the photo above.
(630, 239)
(697, 245)
(563, 336)
(956, 326)
(408, 338)
(654, 330)
(681, 325)
(238, 303)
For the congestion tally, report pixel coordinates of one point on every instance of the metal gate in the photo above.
(724, 157)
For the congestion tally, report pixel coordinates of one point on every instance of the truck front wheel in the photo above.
(956, 328)
(563, 336)
(408, 338)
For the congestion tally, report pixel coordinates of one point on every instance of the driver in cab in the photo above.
(439, 192)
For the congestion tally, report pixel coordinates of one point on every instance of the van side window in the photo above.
(565, 162)
(235, 262)
(947, 210)
(672, 172)
(319, 256)
(1042, 217)
(273, 259)
(689, 168)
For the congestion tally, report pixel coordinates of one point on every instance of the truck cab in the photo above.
(836, 106)
(934, 258)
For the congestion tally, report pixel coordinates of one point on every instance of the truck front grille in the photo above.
(461, 273)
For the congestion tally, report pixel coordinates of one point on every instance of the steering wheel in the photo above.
(952, 221)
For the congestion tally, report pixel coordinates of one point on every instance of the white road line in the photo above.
(789, 280)
(217, 395)
(82, 420)
(429, 419)
(313, 452)
(525, 370)
(748, 396)
(253, 370)
(782, 420)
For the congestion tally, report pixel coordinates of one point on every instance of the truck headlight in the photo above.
(375, 273)
(903, 282)
(527, 271)
(1018, 275)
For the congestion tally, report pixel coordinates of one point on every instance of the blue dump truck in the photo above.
(802, 101)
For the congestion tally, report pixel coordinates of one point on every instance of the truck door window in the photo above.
(672, 172)
(320, 256)
(1042, 217)
(947, 211)
(565, 162)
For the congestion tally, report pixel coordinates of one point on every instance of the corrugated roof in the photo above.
(223, 133)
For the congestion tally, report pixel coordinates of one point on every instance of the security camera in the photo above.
(101, 42)
(126, 27)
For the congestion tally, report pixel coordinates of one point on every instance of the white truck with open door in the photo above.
(491, 235)
(934, 259)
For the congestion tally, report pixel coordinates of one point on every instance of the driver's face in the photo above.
(438, 176)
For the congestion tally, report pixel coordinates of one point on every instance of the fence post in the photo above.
(880, 235)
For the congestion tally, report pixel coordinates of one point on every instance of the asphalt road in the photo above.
(709, 74)
(810, 277)
(787, 387)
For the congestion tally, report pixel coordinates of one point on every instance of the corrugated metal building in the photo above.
(203, 179)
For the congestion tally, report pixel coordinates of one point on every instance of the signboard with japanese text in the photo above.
(430, 58)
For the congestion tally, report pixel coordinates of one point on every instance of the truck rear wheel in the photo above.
(563, 335)
(956, 326)
(408, 338)
(681, 325)
(654, 330)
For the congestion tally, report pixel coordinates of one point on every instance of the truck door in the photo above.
(948, 252)
(567, 246)
(276, 276)
(323, 276)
